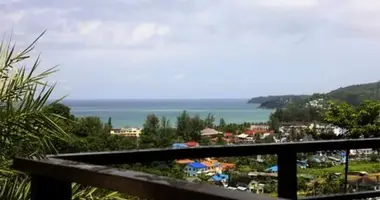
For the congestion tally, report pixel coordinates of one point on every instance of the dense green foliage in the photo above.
(355, 94)
(362, 120)
(297, 112)
(263, 99)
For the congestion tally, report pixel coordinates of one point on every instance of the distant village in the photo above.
(217, 171)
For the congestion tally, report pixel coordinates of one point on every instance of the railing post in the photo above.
(346, 169)
(49, 188)
(287, 174)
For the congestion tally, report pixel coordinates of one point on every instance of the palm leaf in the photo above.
(25, 130)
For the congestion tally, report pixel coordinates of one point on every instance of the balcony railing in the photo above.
(52, 177)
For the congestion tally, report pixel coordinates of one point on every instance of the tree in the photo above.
(189, 128)
(268, 139)
(26, 128)
(222, 125)
(209, 121)
(293, 134)
(59, 109)
(220, 140)
(373, 157)
(274, 123)
(184, 125)
(166, 134)
(361, 120)
(86, 126)
(109, 123)
(150, 131)
(197, 125)
(203, 177)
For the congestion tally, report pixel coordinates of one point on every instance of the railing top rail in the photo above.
(129, 182)
(356, 195)
(148, 155)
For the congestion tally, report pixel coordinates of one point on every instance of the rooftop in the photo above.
(197, 165)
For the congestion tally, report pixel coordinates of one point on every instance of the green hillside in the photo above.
(353, 94)
(263, 99)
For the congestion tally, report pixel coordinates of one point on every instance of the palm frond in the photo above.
(18, 188)
(25, 129)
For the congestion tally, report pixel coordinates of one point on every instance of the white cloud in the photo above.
(146, 31)
(280, 3)
(135, 32)
(88, 28)
(195, 22)
(16, 16)
(179, 76)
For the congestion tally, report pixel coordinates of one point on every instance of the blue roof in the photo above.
(219, 177)
(272, 169)
(197, 165)
(179, 145)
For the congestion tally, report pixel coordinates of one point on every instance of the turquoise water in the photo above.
(132, 113)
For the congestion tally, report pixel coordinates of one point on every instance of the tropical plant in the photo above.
(25, 129)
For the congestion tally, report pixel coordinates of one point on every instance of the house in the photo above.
(227, 166)
(318, 159)
(259, 158)
(219, 178)
(365, 152)
(242, 136)
(249, 132)
(317, 103)
(192, 144)
(184, 161)
(179, 146)
(279, 140)
(266, 135)
(212, 165)
(225, 140)
(209, 132)
(195, 168)
(307, 138)
(302, 164)
(115, 131)
(339, 131)
(229, 135)
(127, 132)
(260, 127)
(364, 182)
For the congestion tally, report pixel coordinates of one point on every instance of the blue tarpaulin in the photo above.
(272, 169)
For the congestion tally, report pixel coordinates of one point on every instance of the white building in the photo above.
(318, 103)
(209, 132)
(127, 132)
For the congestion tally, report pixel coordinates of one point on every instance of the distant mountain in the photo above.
(353, 94)
(263, 99)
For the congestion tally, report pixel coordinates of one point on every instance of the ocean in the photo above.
(132, 113)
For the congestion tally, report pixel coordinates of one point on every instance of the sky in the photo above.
(118, 49)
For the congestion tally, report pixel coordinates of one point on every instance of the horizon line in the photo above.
(95, 99)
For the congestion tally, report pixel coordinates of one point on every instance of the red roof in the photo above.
(228, 134)
(192, 144)
(249, 132)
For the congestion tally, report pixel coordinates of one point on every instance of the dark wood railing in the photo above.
(52, 177)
